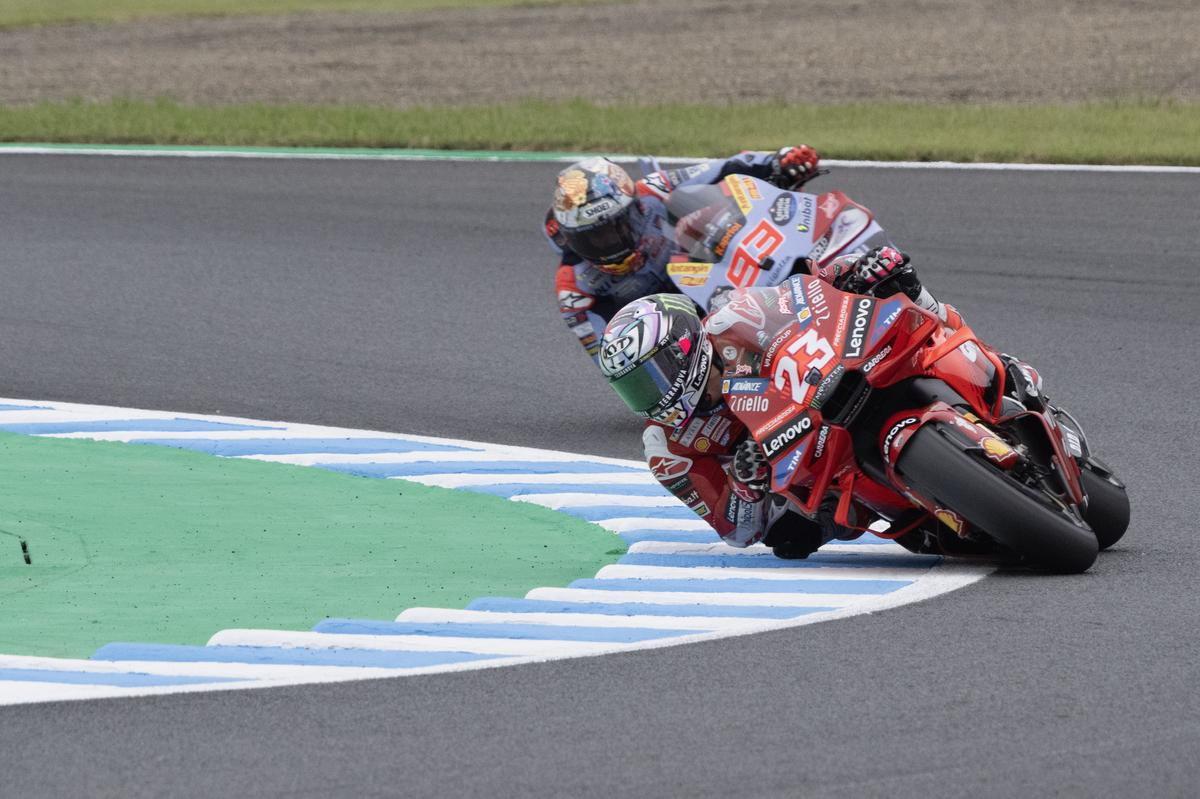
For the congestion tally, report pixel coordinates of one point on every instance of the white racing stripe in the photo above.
(734, 594)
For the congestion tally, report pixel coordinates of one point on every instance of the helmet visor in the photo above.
(652, 382)
(609, 242)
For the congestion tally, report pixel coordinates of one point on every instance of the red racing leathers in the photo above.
(694, 461)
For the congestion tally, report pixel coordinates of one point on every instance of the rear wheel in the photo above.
(1108, 505)
(1018, 517)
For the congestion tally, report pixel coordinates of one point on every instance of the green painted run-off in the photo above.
(147, 543)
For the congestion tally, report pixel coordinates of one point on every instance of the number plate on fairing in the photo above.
(833, 332)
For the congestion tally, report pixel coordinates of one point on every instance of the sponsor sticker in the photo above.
(875, 359)
(669, 467)
(749, 403)
(751, 187)
(816, 296)
(825, 387)
(830, 205)
(822, 436)
(896, 428)
(787, 467)
(744, 385)
(689, 273)
(997, 450)
(738, 193)
(843, 312)
(784, 437)
(783, 209)
(860, 323)
(807, 211)
(950, 519)
(691, 431)
(658, 182)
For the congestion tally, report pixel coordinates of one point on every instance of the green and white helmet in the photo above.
(657, 357)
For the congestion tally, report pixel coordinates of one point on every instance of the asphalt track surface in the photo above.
(416, 297)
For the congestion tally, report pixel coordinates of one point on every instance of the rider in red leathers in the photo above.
(669, 367)
(607, 229)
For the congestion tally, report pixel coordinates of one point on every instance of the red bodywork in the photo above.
(816, 376)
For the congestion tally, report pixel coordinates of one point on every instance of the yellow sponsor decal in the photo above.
(751, 188)
(739, 193)
(689, 273)
(950, 519)
(996, 448)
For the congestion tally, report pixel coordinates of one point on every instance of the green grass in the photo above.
(15, 13)
(1112, 132)
(148, 543)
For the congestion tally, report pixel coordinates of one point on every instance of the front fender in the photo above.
(961, 427)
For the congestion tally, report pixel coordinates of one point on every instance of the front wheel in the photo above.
(1015, 515)
(1108, 505)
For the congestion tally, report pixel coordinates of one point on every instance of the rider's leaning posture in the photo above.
(668, 366)
(608, 230)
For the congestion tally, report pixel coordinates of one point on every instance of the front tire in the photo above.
(1011, 513)
(1108, 506)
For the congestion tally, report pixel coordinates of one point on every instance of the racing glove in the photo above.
(748, 471)
(792, 167)
(883, 271)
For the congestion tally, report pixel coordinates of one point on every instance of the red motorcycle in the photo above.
(907, 421)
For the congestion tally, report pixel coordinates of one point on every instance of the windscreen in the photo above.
(702, 220)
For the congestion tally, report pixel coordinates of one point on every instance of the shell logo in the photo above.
(996, 449)
(950, 519)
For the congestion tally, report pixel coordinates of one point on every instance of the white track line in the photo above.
(571, 619)
(519, 647)
(502, 157)
(620, 572)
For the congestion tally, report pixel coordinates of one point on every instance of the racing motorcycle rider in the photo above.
(667, 365)
(608, 229)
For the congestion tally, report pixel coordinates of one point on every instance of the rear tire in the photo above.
(1108, 507)
(1011, 513)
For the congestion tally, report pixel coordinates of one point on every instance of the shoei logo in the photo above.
(597, 209)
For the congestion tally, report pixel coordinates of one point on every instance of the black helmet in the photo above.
(592, 205)
(657, 357)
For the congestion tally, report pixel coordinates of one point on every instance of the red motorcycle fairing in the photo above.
(827, 367)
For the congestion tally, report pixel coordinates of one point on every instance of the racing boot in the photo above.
(793, 536)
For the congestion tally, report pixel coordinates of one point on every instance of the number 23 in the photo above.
(787, 369)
